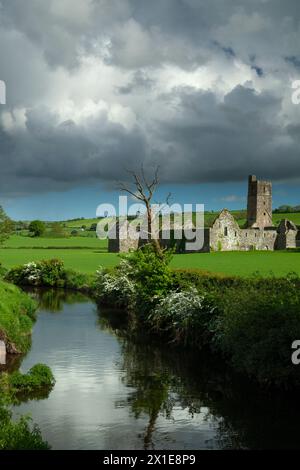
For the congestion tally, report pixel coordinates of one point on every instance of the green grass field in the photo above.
(84, 260)
(87, 254)
(17, 241)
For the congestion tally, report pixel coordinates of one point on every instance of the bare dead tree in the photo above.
(143, 189)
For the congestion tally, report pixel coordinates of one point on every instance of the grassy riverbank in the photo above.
(17, 313)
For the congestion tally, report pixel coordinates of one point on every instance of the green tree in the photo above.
(6, 226)
(37, 228)
(57, 230)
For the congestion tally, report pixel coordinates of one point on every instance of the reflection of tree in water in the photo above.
(152, 384)
(54, 299)
(158, 387)
(244, 415)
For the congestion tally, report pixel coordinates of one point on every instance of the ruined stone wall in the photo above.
(287, 235)
(178, 241)
(225, 233)
(287, 240)
(123, 243)
(291, 239)
(122, 246)
(113, 245)
(258, 239)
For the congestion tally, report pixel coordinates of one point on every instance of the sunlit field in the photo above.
(87, 254)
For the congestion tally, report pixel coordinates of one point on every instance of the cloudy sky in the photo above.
(95, 87)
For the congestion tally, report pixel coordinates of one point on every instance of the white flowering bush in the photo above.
(115, 288)
(184, 316)
(32, 273)
(42, 273)
(27, 274)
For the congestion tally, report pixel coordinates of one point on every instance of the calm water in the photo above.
(112, 393)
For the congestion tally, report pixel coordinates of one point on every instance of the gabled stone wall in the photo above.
(287, 235)
(225, 234)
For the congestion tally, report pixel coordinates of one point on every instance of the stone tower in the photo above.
(259, 209)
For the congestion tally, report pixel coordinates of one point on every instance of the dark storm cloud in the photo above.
(61, 155)
(213, 141)
(217, 126)
(208, 141)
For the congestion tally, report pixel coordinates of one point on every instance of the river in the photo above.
(113, 392)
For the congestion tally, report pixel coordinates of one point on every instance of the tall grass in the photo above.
(17, 313)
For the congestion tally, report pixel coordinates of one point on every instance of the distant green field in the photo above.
(91, 253)
(17, 241)
(294, 217)
(80, 223)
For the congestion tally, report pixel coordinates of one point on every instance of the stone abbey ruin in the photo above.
(226, 235)
(259, 232)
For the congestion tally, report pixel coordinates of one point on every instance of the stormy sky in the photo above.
(95, 87)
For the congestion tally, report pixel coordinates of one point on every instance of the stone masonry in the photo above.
(259, 208)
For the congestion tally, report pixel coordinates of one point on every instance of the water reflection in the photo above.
(245, 416)
(116, 391)
(54, 300)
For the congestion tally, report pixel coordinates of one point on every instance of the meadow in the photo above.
(87, 254)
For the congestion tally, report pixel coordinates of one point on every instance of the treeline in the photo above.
(286, 209)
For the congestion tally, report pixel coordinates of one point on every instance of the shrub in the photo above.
(203, 280)
(19, 435)
(256, 328)
(52, 272)
(185, 317)
(151, 274)
(27, 274)
(43, 273)
(77, 281)
(114, 288)
(38, 377)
